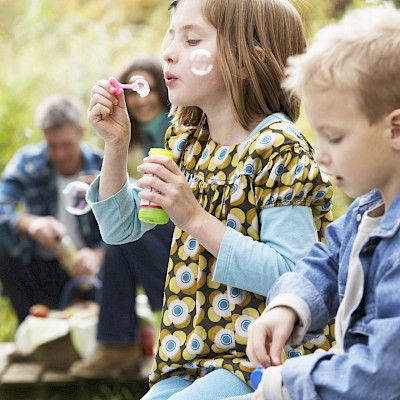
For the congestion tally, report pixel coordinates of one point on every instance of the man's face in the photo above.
(63, 148)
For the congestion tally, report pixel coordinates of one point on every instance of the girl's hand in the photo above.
(268, 335)
(170, 190)
(108, 114)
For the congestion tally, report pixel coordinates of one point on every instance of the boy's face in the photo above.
(188, 31)
(358, 156)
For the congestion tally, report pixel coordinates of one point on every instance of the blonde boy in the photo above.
(349, 81)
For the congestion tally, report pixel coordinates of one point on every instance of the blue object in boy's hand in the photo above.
(255, 377)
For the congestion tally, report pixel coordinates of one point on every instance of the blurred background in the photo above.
(51, 46)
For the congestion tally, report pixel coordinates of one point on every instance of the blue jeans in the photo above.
(143, 262)
(218, 384)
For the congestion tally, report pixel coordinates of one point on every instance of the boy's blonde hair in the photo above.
(361, 53)
(255, 36)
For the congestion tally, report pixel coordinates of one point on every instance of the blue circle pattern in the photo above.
(192, 244)
(223, 304)
(248, 169)
(235, 292)
(266, 139)
(245, 325)
(186, 276)
(195, 344)
(300, 195)
(299, 169)
(294, 353)
(222, 154)
(177, 311)
(171, 345)
(288, 196)
(231, 223)
(226, 339)
(181, 145)
(205, 154)
(280, 169)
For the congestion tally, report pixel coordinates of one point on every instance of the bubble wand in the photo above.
(138, 85)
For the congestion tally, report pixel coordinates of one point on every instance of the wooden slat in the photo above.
(22, 373)
(5, 350)
(54, 376)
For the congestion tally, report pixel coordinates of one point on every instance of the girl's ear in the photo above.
(261, 55)
(260, 52)
(394, 121)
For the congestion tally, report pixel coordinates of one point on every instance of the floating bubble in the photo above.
(201, 62)
(28, 133)
(140, 85)
(75, 198)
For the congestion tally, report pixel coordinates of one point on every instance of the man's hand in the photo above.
(268, 335)
(87, 262)
(46, 230)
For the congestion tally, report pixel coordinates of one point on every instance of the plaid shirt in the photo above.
(30, 178)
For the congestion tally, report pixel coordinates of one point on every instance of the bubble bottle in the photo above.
(150, 212)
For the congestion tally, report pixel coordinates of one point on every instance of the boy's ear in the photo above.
(394, 126)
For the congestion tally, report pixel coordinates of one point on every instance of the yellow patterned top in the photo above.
(204, 324)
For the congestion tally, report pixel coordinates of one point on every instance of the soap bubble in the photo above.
(75, 198)
(140, 85)
(201, 62)
(28, 133)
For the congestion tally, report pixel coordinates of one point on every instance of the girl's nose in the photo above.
(170, 55)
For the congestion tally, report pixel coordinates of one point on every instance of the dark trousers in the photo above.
(41, 282)
(140, 263)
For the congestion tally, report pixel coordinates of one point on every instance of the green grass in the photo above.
(8, 321)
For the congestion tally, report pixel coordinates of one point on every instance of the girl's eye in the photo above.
(335, 140)
(192, 42)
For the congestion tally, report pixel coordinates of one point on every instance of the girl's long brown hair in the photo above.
(257, 37)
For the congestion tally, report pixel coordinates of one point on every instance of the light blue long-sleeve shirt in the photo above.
(286, 235)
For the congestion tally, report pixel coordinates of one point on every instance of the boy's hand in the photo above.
(108, 114)
(170, 190)
(268, 335)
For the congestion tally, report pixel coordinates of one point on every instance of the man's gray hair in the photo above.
(57, 111)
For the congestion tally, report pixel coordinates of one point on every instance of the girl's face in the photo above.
(188, 31)
(144, 109)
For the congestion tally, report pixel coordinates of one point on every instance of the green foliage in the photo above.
(66, 46)
(8, 321)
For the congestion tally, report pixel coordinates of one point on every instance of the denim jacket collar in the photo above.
(390, 224)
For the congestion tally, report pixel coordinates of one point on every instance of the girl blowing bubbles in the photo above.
(244, 193)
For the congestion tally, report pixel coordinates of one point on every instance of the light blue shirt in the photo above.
(286, 235)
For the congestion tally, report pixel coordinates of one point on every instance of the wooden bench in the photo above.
(33, 381)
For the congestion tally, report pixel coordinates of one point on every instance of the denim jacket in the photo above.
(31, 179)
(369, 367)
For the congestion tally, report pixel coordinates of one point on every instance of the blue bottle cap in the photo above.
(255, 377)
